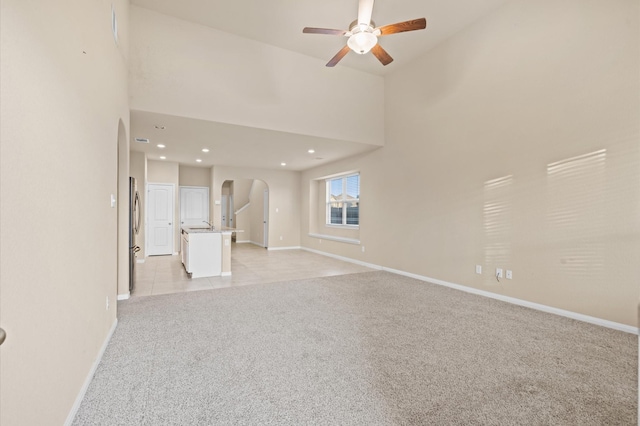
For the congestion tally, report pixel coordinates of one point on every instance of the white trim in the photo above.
(124, 296)
(242, 241)
(225, 274)
(339, 226)
(283, 248)
(87, 381)
(532, 305)
(256, 244)
(346, 259)
(243, 208)
(139, 260)
(520, 302)
(333, 238)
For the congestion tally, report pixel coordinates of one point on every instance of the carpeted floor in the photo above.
(371, 348)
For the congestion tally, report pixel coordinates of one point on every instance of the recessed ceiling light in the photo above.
(311, 151)
(283, 164)
(161, 145)
(160, 127)
(205, 149)
(163, 157)
(198, 160)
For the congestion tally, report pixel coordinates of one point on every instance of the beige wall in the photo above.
(284, 196)
(63, 81)
(195, 176)
(138, 170)
(482, 160)
(241, 188)
(168, 172)
(263, 87)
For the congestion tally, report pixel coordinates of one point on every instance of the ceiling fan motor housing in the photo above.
(362, 38)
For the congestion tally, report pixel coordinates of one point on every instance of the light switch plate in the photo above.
(478, 269)
(509, 274)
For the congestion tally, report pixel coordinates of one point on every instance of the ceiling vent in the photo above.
(142, 140)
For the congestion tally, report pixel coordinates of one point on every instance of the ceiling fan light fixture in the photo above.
(362, 42)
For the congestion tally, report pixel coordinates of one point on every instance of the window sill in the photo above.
(333, 225)
(334, 238)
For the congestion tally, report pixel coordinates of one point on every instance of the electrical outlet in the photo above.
(281, 238)
(363, 249)
(509, 274)
(226, 241)
(499, 272)
(107, 305)
(478, 269)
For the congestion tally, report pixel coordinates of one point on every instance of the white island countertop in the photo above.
(197, 230)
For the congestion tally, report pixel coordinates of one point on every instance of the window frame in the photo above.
(343, 200)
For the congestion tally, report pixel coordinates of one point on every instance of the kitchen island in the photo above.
(206, 252)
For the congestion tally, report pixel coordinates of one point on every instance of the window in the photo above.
(343, 201)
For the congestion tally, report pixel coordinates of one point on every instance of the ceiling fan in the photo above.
(363, 34)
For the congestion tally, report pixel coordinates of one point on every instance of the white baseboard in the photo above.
(225, 274)
(87, 381)
(283, 248)
(532, 305)
(242, 241)
(124, 296)
(256, 244)
(346, 259)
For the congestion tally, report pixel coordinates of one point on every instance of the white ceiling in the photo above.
(280, 23)
(232, 145)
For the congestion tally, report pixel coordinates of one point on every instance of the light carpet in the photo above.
(370, 348)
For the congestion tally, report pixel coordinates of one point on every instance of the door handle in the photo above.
(169, 223)
(3, 335)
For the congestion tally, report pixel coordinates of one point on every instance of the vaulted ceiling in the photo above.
(279, 24)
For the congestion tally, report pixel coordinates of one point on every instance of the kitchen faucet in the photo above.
(211, 225)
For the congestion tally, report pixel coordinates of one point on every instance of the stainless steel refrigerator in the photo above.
(134, 228)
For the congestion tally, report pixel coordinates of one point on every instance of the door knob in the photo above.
(169, 223)
(3, 335)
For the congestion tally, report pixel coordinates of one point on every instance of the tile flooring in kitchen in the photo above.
(250, 264)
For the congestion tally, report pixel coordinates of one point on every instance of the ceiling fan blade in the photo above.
(400, 27)
(341, 54)
(381, 54)
(309, 30)
(365, 9)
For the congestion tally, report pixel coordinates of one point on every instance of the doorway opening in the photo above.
(244, 206)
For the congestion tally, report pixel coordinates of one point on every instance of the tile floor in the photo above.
(250, 264)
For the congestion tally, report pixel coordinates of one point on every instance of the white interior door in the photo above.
(160, 208)
(194, 206)
(266, 219)
(225, 210)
